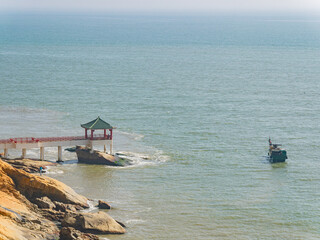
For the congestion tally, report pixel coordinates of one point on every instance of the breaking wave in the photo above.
(142, 159)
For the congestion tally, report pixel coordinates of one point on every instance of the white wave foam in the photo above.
(134, 136)
(22, 109)
(91, 208)
(53, 170)
(144, 210)
(134, 221)
(142, 159)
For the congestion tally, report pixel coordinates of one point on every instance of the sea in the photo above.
(194, 99)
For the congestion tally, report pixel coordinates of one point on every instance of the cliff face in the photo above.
(19, 218)
(32, 186)
(29, 204)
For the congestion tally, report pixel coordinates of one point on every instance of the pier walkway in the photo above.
(26, 143)
(30, 143)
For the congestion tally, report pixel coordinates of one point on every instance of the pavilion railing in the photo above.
(53, 139)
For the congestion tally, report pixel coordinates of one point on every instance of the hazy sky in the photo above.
(162, 5)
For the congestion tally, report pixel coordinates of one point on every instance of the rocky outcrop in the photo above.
(29, 165)
(86, 155)
(103, 205)
(33, 187)
(29, 204)
(66, 207)
(44, 202)
(99, 222)
(69, 233)
(19, 218)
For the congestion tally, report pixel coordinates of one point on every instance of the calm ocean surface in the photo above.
(198, 96)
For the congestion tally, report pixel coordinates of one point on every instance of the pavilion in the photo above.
(99, 124)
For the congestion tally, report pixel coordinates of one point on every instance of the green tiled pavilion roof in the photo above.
(98, 123)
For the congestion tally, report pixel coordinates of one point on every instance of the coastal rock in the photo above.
(99, 222)
(121, 224)
(44, 202)
(89, 156)
(33, 187)
(52, 215)
(28, 165)
(69, 233)
(19, 218)
(7, 213)
(103, 205)
(66, 207)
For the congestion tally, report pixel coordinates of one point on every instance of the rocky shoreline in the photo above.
(40, 207)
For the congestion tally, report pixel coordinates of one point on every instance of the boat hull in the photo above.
(278, 156)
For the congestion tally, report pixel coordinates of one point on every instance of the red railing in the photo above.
(4, 141)
(53, 139)
(58, 139)
(100, 137)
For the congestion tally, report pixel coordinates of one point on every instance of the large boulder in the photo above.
(99, 222)
(44, 202)
(69, 233)
(63, 207)
(103, 205)
(52, 214)
(86, 155)
(28, 165)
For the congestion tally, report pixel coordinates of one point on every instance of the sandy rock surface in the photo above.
(99, 222)
(30, 205)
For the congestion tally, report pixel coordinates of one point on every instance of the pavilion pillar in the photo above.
(92, 134)
(111, 147)
(86, 133)
(6, 153)
(41, 153)
(110, 133)
(104, 133)
(24, 153)
(59, 154)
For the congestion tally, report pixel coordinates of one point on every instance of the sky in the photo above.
(162, 5)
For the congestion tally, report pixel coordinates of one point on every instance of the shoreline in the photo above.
(41, 207)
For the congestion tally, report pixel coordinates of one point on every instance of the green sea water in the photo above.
(194, 100)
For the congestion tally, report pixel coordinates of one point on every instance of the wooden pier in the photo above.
(28, 143)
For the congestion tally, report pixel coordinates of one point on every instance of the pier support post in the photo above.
(41, 153)
(24, 152)
(111, 147)
(6, 153)
(105, 148)
(59, 154)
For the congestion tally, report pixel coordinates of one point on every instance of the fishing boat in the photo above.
(276, 154)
